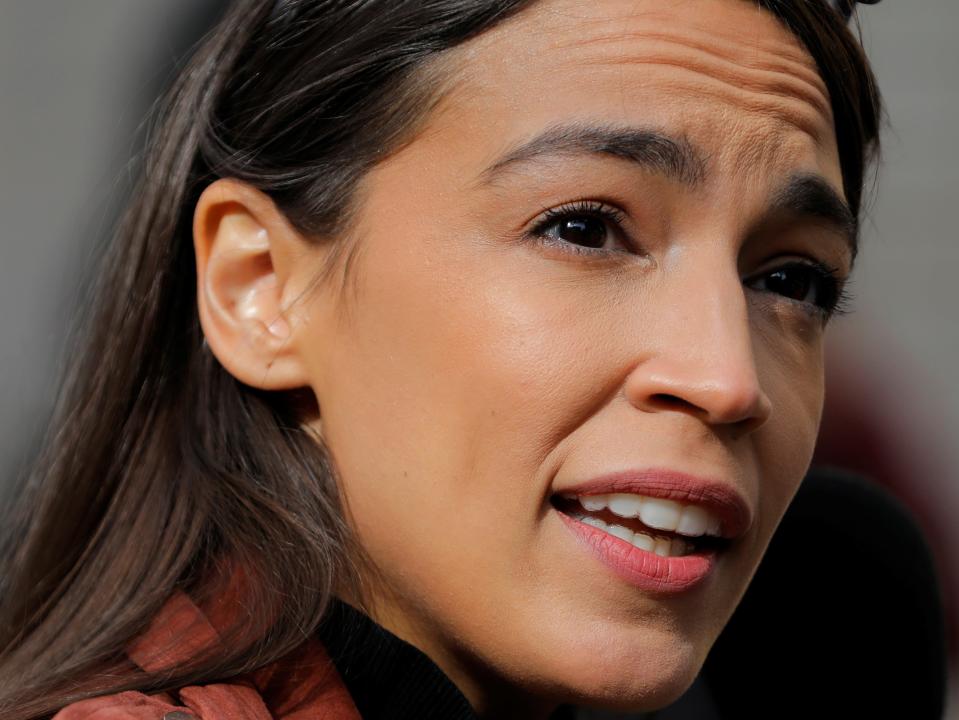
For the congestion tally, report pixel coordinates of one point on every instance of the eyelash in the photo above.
(830, 282)
(578, 209)
(829, 279)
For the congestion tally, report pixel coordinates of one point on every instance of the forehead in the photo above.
(724, 74)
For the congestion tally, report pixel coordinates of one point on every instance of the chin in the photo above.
(638, 672)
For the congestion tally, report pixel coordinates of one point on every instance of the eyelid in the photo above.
(610, 213)
(585, 206)
(797, 258)
(839, 306)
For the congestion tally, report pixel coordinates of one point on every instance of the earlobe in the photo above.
(242, 246)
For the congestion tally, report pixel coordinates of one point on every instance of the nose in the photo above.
(703, 361)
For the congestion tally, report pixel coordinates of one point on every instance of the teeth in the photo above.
(594, 502)
(657, 513)
(626, 506)
(675, 547)
(660, 514)
(693, 521)
(595, 522)
(663, 547)
(644, 542)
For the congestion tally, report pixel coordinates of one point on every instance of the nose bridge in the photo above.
(705, 361)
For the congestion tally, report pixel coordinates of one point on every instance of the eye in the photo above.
(816, 286)
(582, 228)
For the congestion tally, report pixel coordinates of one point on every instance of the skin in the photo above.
(466, 372)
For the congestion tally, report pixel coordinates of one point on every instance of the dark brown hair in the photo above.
(158, 464)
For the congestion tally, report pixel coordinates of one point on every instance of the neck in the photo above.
(487, 694)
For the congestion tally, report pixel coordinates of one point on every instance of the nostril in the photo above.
(716, 391)
(665, 401)
(719, 409)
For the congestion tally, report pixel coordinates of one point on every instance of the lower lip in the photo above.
(645, 570)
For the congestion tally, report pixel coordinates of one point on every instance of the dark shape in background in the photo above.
(843, 617)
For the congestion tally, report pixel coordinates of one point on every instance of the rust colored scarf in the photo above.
(303, 685)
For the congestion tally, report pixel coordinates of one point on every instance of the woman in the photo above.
(485, 337)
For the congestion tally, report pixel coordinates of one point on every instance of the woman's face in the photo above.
(609, 251)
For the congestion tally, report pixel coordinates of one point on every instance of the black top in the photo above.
(386, 676)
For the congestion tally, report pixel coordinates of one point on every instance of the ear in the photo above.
(245, 249)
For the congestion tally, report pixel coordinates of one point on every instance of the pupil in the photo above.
(792, 285)
(583, 231)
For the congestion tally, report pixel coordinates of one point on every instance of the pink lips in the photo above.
(646, 570)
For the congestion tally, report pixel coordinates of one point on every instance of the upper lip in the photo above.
(716, 496)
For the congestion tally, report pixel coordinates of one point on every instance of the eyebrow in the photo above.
(811, 196)
(804, 195)
(674, 158)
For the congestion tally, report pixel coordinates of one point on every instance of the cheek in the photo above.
(453, 379)
(791, 365)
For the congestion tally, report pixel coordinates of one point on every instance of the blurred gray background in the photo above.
(76, 82)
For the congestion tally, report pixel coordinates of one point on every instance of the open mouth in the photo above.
(664, 527)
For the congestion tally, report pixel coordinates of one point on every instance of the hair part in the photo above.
(160, 470)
